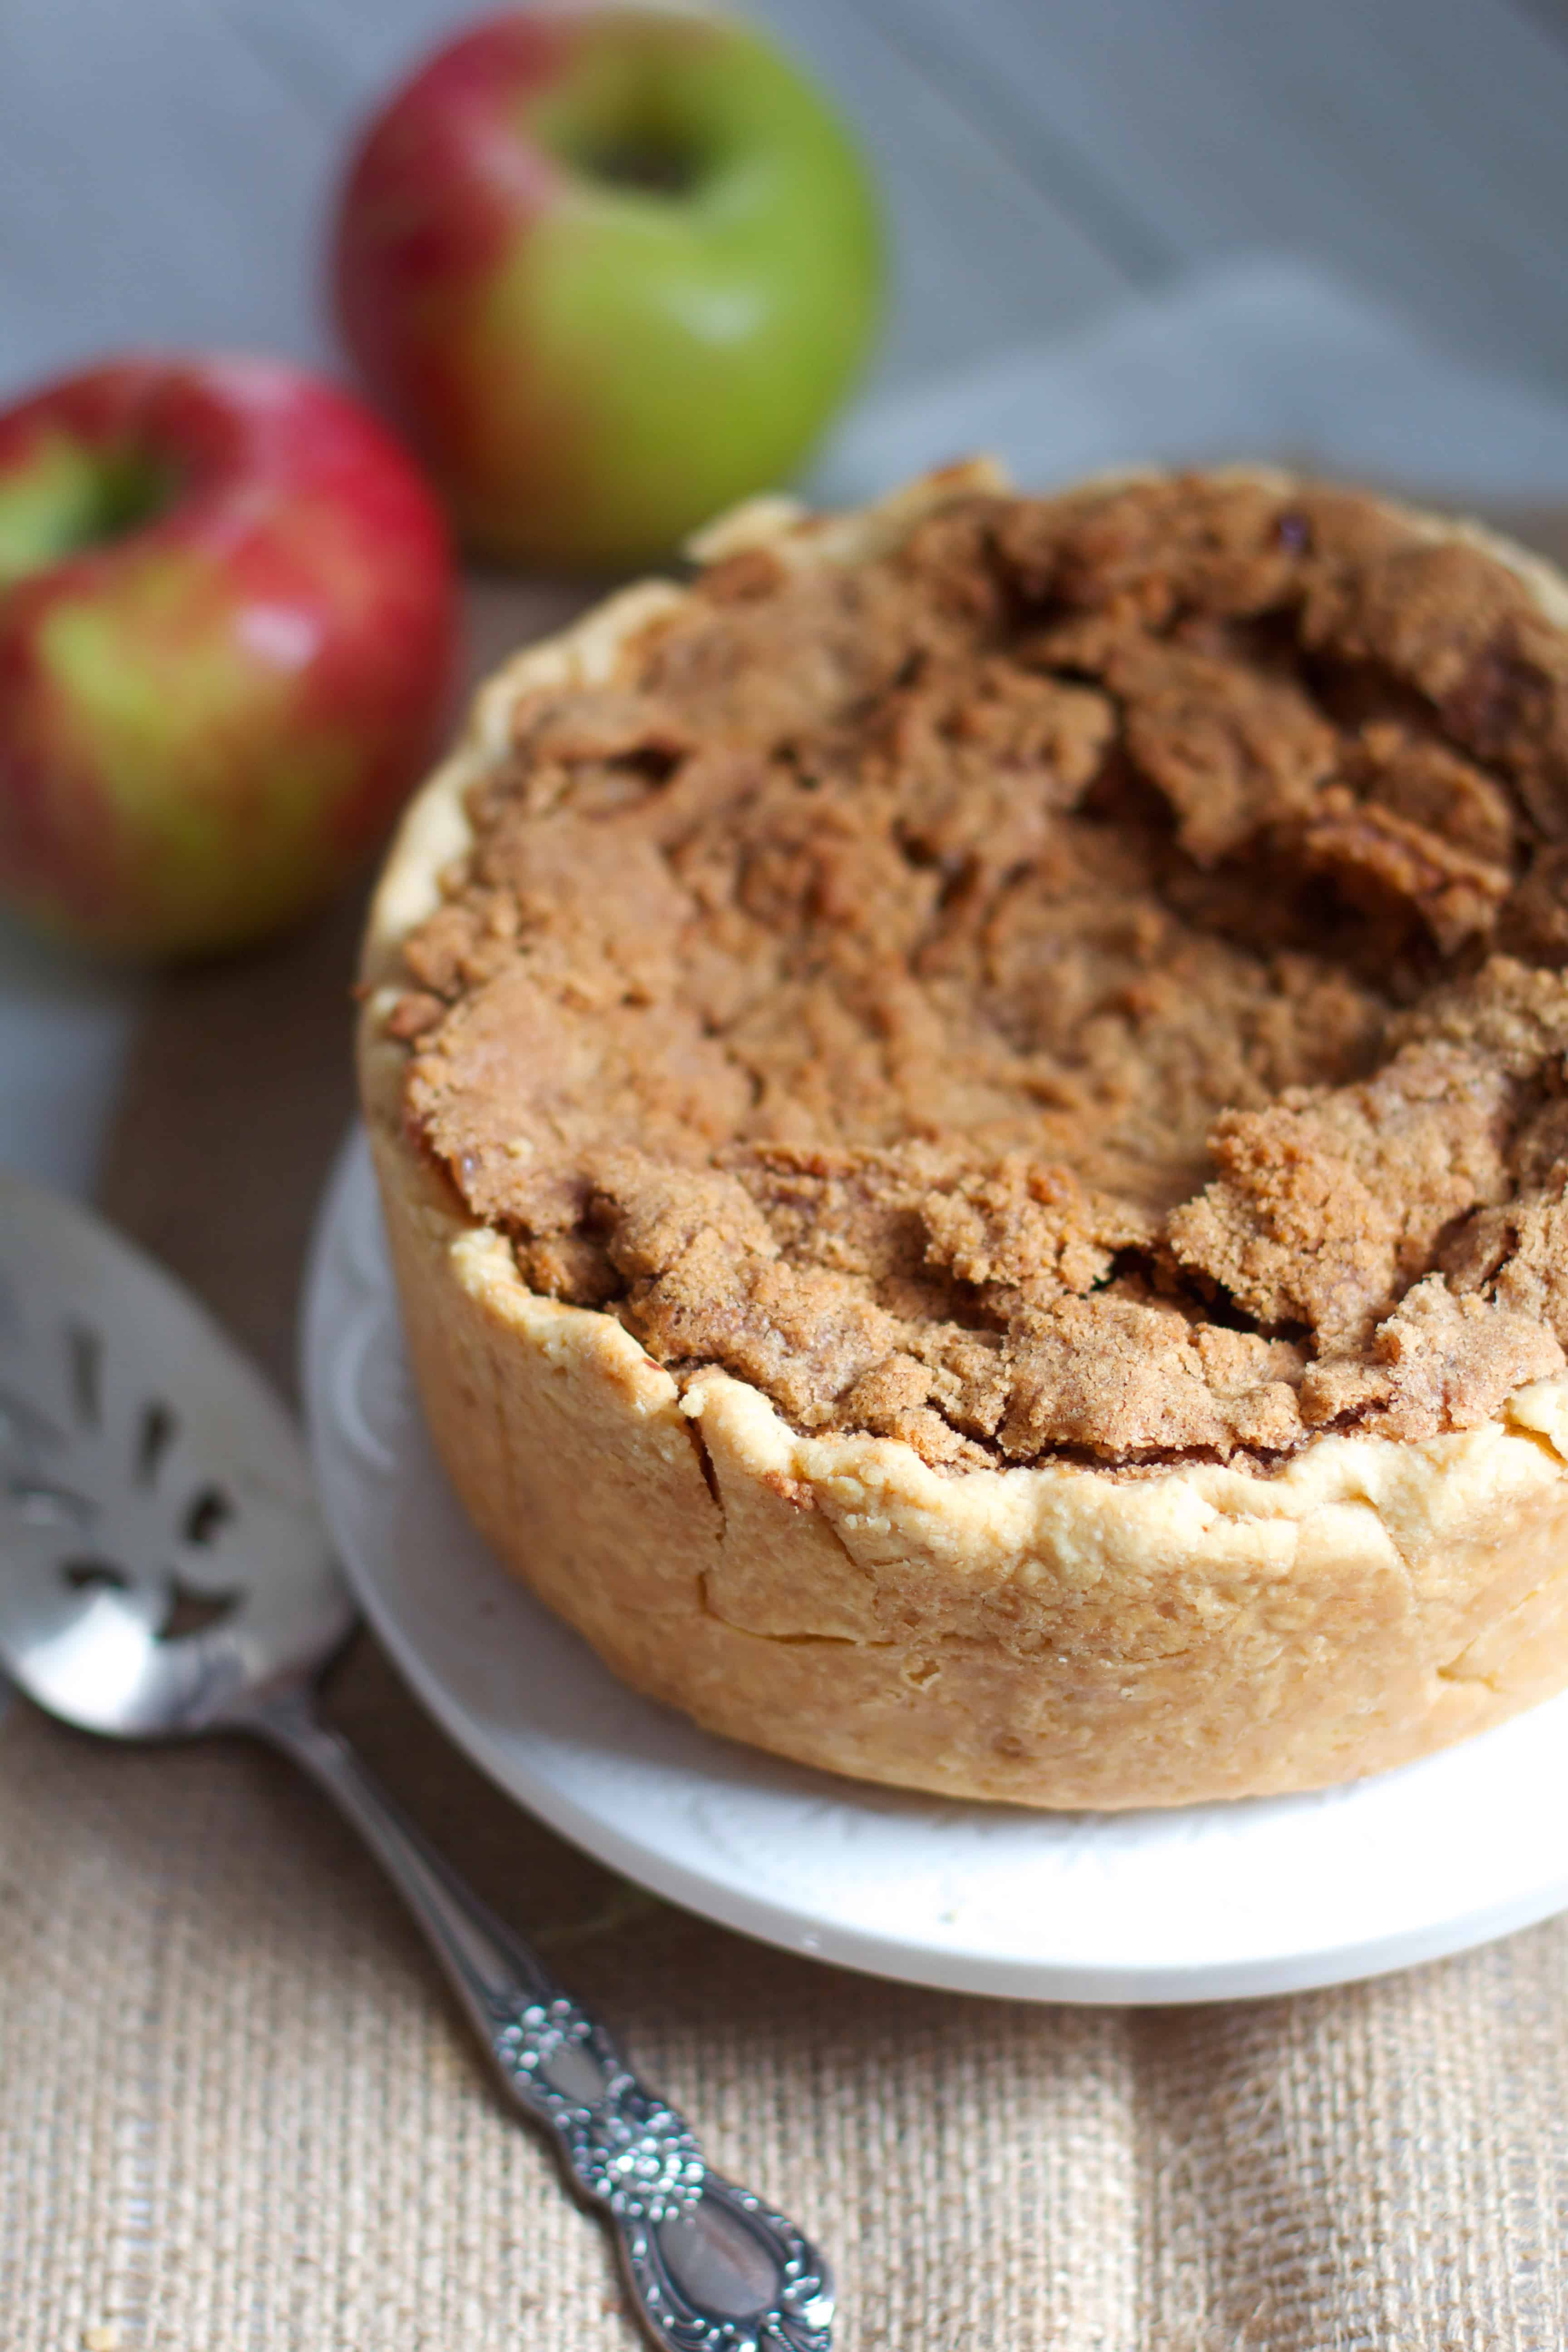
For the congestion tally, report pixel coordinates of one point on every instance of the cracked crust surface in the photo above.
(1267, 1313)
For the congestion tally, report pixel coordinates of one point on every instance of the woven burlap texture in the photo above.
(240, 2114)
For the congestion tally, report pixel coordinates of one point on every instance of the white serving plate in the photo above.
(1207, 1903)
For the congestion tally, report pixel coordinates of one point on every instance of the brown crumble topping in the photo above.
(1083, 986)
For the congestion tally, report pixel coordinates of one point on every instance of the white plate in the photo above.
(1199, 1904)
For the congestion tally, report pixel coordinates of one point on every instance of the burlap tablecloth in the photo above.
(238, 2113)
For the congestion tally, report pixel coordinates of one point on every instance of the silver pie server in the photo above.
(164, 1572)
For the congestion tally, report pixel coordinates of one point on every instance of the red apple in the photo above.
(227, 625)
(609, 267)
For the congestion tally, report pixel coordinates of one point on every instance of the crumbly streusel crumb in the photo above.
(1039, 991)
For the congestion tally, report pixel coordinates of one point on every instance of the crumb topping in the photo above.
(1088, 983)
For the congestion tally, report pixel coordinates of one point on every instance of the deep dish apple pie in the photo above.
(971, 1114)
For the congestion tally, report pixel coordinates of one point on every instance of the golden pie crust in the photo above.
(1065, 1632)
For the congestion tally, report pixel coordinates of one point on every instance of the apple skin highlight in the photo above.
(609, 270)
(228, 640)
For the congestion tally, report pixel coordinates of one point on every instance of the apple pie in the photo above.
(970, 1106)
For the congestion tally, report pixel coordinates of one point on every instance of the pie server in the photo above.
(164, 1572)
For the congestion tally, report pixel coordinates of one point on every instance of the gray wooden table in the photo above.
(165, 164)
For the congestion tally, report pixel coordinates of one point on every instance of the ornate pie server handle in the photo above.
(709, 2266)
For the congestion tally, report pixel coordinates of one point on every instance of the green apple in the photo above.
(609, 268)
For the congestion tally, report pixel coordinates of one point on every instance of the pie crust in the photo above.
(1057, 1633)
